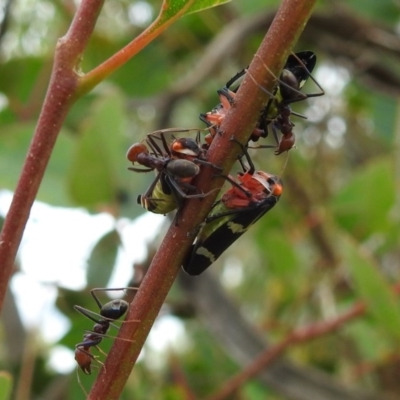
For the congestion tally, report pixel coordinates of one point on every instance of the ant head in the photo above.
(135, 150)
(114, 309)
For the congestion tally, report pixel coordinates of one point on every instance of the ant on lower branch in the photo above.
(111, 311)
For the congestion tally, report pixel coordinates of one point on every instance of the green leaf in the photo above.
(18, 77)
(5, 385)
(364, 332)
(372, 287)
(199, 5)
(280, 253)
(364, 205)
(173, 9)
(384, 10)
(100, 153)
(102, 259)
(15, 140)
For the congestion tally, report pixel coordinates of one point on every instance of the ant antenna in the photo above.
(284, 164)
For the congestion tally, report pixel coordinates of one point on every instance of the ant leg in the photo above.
(285, 163)
(271, 95)
(96, 299)
(141, 169)
(177, 190)
(102, 352)
(150, 141)
(88, 313)
(80, 383)
(207, 163)
(281, 82)
(236, 77)
(103, 335)
(275, 133)
(311, 77)
(160, 135)
(234, 183)
(110, 305)
(296, 114)
(251, 168)
(289, 81)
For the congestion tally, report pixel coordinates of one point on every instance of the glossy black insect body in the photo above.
(277, 113)
(251, 196)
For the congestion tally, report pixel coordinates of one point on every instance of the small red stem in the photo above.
(98, 74)
(298, 336)
(62, 86)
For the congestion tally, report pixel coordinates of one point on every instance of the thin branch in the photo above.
(298, 336)
(180, 379)
(239, 122)
(6, 19)
(58, 101)
(29, 356)
(98, 74)
(244, 344)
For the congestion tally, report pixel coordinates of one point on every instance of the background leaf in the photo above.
(102, 259)
(93, 177)
(370, 212)
(372, 288)
(6, 382)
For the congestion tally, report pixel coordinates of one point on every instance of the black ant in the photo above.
(111, 311)
(297, 70)
(177, 165)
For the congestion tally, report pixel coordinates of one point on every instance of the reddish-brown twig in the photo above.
(62, 87)
(298, 336)
(239, 122)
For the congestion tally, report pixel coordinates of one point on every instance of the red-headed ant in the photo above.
(177, 164)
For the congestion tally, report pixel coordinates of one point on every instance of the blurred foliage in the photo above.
(332, 240)
(5, 385)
